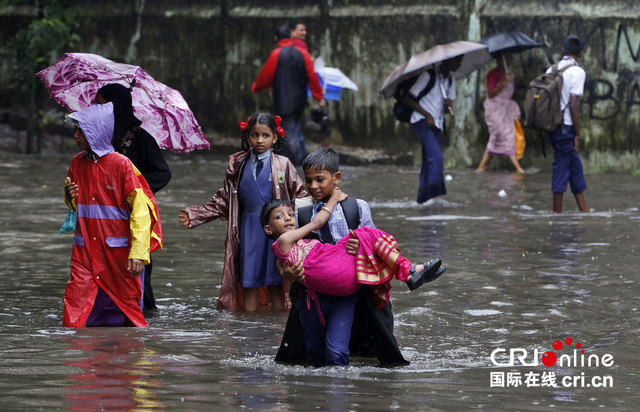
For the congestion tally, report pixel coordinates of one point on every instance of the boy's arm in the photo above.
(411, 101)
(574, 109)
(312, 79)
(140, 225)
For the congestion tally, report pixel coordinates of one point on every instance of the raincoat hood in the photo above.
(96, 122)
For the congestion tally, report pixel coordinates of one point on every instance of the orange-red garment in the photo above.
(110, 191)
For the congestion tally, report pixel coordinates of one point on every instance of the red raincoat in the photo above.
(114, 206)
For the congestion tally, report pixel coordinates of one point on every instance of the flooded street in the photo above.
(519, 277)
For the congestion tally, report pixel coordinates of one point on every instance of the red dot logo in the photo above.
(568, 341)
(549, 358)
(557, 344)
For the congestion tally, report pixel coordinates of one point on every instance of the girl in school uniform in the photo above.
(255, 176)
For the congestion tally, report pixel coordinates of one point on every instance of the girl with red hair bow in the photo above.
(255, 175)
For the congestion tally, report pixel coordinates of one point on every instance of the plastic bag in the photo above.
(69, 224)
(520, 142)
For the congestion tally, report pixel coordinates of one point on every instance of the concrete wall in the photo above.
(212, 51)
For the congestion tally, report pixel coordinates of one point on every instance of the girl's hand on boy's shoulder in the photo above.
(338, 194)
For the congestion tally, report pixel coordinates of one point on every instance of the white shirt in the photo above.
(432, 102)
(572, 85)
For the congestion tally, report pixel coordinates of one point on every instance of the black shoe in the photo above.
(429, 273)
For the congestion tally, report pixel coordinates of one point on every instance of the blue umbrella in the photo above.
(332, 80)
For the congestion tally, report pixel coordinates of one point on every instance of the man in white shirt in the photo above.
(565, 139)
(427, 121)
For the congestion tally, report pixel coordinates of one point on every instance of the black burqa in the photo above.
(142, 149)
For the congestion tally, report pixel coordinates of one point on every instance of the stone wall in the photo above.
(212, 51)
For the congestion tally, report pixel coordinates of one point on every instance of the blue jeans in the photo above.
(330, 345)
(432, 171)
(567, 166)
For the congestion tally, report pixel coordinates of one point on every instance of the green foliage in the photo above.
(50, 33)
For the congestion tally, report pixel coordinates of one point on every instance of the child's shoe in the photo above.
(431, 272)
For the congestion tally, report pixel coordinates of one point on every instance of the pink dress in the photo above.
(331, 270)
(500, 113)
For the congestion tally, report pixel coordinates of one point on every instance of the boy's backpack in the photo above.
(542, 103)
(349, 208)
(401, 110)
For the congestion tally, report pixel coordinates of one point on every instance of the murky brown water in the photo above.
(518, 277)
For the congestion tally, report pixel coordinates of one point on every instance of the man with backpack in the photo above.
(430, 94)
(565, 137)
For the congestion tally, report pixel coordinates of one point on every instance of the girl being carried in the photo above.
(329, 268)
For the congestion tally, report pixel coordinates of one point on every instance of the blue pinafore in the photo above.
(257, 262)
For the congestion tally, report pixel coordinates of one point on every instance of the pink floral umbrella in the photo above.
(74, 80)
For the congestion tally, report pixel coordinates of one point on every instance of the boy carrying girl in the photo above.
(372, 327)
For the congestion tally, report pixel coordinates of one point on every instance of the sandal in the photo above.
(431, 272)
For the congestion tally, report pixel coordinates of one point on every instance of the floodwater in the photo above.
(519, 277)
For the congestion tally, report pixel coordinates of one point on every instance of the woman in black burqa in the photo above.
(141, 148)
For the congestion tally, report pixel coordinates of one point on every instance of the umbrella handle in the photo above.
(504, 62)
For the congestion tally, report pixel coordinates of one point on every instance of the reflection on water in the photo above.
(518, 277)
(114, 371)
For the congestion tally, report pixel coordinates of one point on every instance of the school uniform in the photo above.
(328, 343)
(284, 183)
(432, 170)
(257, 263)
(567, 166)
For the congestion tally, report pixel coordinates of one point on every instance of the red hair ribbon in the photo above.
(243, 125)
(279, 129)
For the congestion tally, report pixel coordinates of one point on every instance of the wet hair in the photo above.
(572, 45)
(268, 207)
(283, 32)
(322, 159)
(267, 119)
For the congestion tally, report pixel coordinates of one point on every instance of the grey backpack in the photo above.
(542, 103)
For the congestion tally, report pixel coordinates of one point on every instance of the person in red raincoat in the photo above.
(118, 227)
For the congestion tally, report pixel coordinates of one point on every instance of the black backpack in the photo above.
(401, 110)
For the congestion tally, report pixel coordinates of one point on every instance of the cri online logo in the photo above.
(549, 358)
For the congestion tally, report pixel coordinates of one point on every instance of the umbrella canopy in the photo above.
(509, 42)
(332, 80)
(474, 55)
(74, 80)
